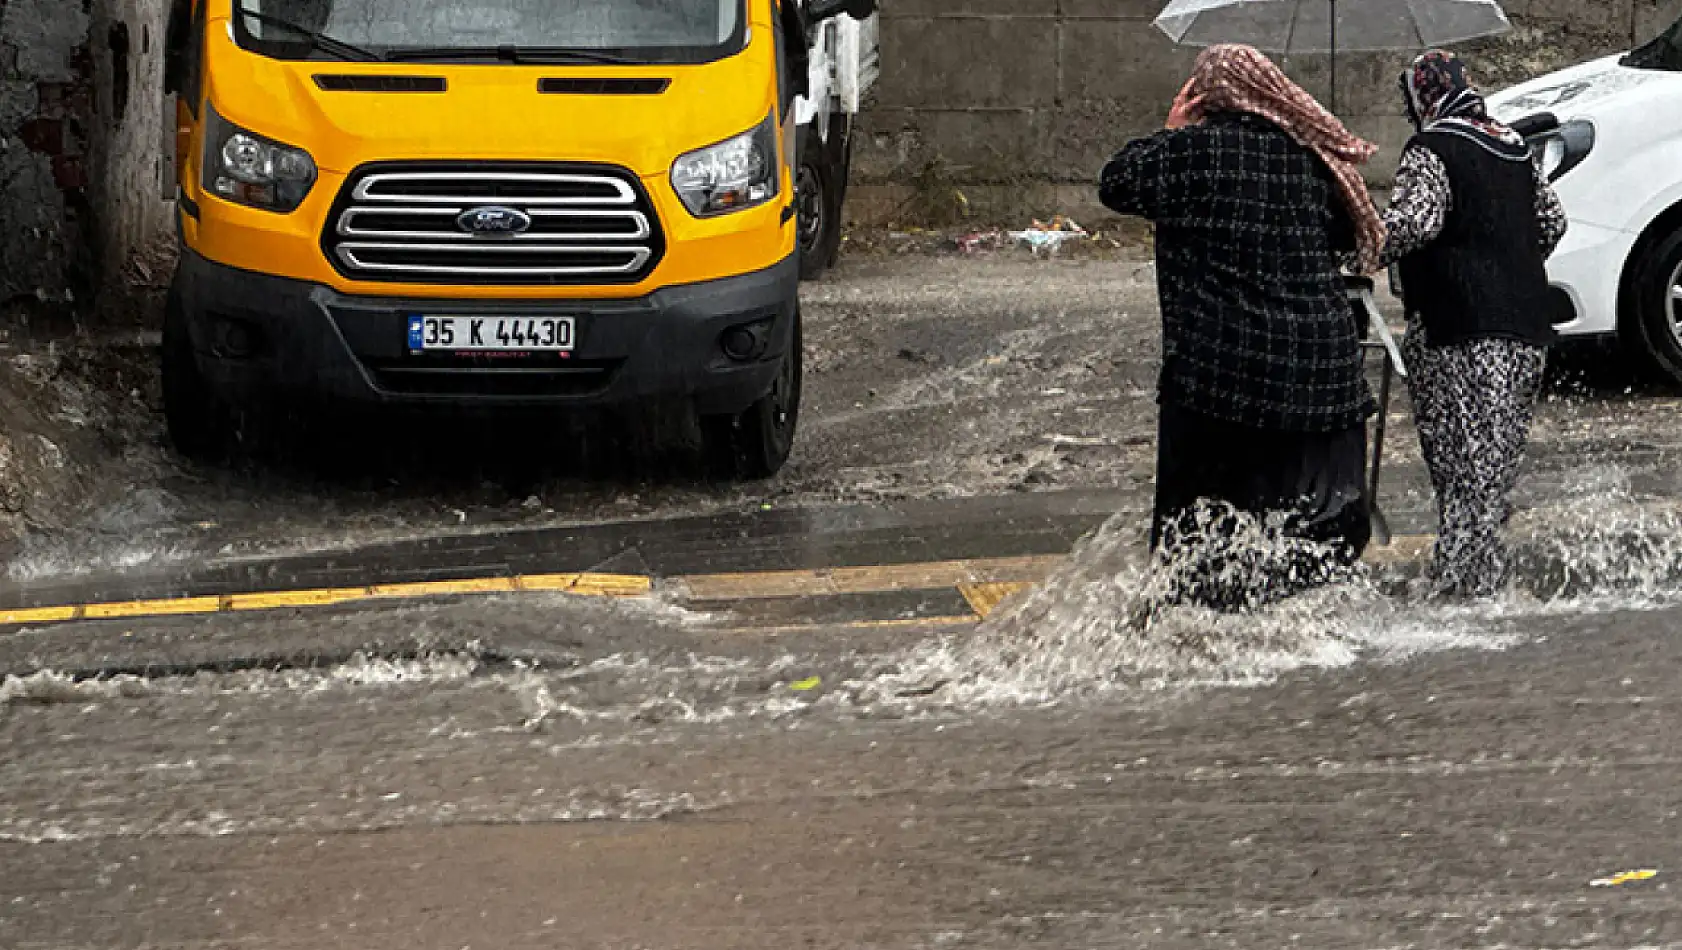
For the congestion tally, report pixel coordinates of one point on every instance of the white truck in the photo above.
(844, 64)
(1609, 134)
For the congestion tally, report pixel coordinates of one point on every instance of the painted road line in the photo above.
(701, 588)
(37, 615)
(580, 585)
(612, 585)
(174, 607)
(982, 583)
(986, 598)
(277, 600)
(479, 585)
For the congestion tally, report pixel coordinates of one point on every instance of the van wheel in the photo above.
(1656, 293)
(817, 219)
(200, 425)
(756, 444)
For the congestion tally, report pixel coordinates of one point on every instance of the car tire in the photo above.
(199, 424)
(1655, 296)
(817, 219)
(756, 444)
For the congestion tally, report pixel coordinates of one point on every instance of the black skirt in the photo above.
(1317, 479)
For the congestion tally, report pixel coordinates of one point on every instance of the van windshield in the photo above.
(1664, 52)
(662, 31)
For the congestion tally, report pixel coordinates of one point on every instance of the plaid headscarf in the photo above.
(1442, 98)
(1237, 78)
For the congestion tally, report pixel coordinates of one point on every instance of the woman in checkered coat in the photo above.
(1257, 199)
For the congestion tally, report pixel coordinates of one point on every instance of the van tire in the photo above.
(818, 183)
(756, 444)
(200, 425)
(1656, 296)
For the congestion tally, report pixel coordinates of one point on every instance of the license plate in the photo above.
(491, 334)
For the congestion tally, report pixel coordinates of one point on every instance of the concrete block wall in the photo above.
(1027, 98)
(80, 134)
(1010, 99)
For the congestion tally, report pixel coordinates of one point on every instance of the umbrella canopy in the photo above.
(1331, 26)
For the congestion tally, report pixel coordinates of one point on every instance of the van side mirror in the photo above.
(820, 10)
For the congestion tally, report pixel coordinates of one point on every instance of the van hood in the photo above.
(1570, 92)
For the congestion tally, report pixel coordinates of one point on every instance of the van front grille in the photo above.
(517, 224)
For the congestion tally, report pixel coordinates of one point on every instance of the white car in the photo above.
(1609, 134)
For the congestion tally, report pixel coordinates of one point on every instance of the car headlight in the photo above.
(1564, 148)
(246, 168)
(734, 175)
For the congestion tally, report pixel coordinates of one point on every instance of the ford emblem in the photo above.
(493, 220)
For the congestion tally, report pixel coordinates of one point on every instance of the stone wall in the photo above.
(80, 134)
(1019, 102)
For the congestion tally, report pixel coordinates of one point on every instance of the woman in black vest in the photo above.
(1471, 224)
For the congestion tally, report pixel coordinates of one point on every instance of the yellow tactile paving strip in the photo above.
(984, 583)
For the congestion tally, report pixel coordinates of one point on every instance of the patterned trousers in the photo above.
(1473, 403)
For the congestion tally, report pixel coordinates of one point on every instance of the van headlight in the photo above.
(734, 175)
(1564, 148)
(246, 168)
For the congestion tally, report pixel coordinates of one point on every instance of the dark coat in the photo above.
(1257, 329)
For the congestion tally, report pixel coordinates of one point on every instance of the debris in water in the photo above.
(980, 240)
(917, 692)
(1047, 239)
(1078, 441)
(1624, 877)
(807, 684)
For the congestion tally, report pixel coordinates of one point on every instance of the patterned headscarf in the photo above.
(1441, 97)
(1236, 78)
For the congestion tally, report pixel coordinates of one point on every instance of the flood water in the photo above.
(1359, 765)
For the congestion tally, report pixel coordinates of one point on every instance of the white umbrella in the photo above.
(1331, 26)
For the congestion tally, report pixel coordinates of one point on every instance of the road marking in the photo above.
(582, 585)
(297, 598)
(874, 579)
(153, 608)
(37, 615)
(984, 583)
(985, 598)
(612, 585)
(482, 585)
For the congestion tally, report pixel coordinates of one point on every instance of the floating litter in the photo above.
(1624, 877)
(806, 685)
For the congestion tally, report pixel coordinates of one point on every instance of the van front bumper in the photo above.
(259, 337)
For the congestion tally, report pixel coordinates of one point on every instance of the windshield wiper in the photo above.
(320, 41)
(511, 54)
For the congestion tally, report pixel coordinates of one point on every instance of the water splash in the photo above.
(1113, 620)
(1599, 547)
(52, 687)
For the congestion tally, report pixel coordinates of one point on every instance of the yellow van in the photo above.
(506, 203)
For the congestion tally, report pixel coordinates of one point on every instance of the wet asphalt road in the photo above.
(542, 770)
(1460, 799)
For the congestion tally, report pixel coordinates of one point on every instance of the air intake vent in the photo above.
(381, 83)
(603, 86)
